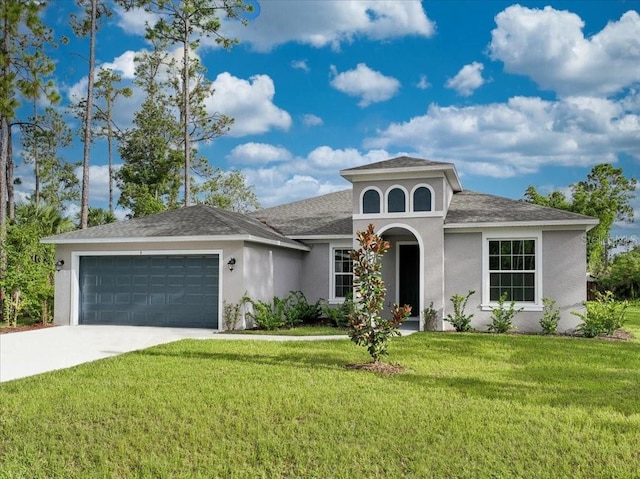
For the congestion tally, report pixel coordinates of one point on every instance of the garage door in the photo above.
(168, 290)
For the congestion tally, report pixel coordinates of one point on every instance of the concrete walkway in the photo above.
(35, 352)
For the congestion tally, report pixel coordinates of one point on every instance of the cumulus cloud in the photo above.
(369, 85)
(312, 120)
(135, 20)
(124, 65)
(249, 102)
(467, 80)
(423, 84)
(519, 136)
(549, 46)
(258, 153)
(300, 65)
(320, 23)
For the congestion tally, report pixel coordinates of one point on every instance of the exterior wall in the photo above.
(65, 304)
(563, 277)
(315, 277)
(437, 183)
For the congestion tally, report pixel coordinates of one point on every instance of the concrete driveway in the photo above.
(39, 351)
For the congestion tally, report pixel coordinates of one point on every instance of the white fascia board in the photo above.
(183, 239)
(320, 237)
(555, 224)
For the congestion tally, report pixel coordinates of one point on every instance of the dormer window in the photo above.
(371, 202)
(422, 199)
(396, 201)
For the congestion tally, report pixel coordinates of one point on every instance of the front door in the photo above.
(409, 277)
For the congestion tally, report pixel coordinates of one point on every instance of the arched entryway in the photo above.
(403, 270)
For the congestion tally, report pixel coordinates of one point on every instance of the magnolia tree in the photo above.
(367, 327)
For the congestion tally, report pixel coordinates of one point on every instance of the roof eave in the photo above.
(187, 239)
(586, 223)
(448, 169)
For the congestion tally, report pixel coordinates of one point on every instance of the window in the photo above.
(512, 269)
(342, 272)
(422, 199)
(371, 202)
(396, 201)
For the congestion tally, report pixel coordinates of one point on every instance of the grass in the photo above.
(469, 405)
(304, 330)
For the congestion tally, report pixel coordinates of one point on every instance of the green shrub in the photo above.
(430, 318)
(298, 310)
(266, 315)
(501, 317)
(550, 316)
(603, 316)
(460, 321)
(339, 315)
(231, 315)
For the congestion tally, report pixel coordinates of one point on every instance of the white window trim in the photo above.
(406, 200)
(433, 197)
(488, 305)
(332, 270)
(380, 195)
(75, 273)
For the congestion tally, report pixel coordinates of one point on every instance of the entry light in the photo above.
(231, 263)
(59, 264)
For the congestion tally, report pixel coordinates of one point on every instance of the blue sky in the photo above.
(533, 93)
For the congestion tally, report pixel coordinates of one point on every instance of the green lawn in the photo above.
(469, 405)
(303, 330)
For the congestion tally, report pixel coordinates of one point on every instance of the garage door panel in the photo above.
(172, 290)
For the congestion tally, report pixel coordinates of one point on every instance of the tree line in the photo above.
(161, 167)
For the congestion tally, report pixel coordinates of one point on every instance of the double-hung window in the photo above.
(512, 269)
(342, 273)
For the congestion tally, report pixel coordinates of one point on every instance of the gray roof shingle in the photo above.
(329, 214)
(399, 162)
(192, 221)
(471, 207)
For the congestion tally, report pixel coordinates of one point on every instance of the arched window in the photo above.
(371, 202)
(422, 199)
(396, 201)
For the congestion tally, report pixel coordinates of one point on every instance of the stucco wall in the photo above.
(316, 270)
(563, 272)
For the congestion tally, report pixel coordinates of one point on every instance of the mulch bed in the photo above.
(25, 327)
(379, 367)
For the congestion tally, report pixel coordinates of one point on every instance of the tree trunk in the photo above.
(110, 154)
(84, 204)
(186, 113)
(4, 153)
(11, 195)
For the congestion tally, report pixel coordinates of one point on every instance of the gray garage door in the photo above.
(168, 290)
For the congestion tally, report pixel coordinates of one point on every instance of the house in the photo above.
(177, 268)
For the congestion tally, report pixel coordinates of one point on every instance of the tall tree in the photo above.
(21, 29)
(87, 25)
(108, 92)
(227, 190)
(184, 23)
(606, 194)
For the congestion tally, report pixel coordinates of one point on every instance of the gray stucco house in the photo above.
(176, 268)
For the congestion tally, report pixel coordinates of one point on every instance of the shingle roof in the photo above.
(471, 207)
(329, 214)
(399, 162)
(192, 221)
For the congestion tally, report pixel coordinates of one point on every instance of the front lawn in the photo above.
(302, 330)
(469, 405)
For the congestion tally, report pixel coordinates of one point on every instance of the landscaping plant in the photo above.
(430, 317)
(367, 328)
(266, 315)
(339, 315)
(298, 310)
(603, 316)
(460, 321)
(231, 315)
(501, 317)
(550, 316)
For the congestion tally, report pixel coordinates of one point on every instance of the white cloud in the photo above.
(549, 46)
(99, 183)
(258, 153)
(519, 136)
(135, 20)
(124, 65)
(312, 120)
(467, 80)
(320, 23)
(249, 102)
(300, 65)
(423, 84)
(369, 85)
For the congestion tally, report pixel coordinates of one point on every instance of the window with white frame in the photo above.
(342, 273)
(422, 199)
(512, 269)
(396, 202)
(371, 202)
